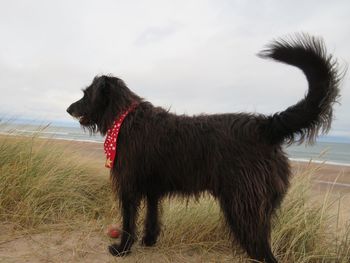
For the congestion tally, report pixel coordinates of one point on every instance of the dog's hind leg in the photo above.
(129, 213)
(152, 224)
(249, 227)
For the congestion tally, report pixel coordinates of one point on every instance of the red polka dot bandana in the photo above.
(110, 145)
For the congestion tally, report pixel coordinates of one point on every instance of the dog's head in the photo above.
(102, 102)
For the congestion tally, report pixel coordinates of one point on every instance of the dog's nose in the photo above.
(69, 110)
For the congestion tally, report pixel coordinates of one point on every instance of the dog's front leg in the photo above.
(129, 213)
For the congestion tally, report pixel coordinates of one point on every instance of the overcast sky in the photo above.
(191, 56)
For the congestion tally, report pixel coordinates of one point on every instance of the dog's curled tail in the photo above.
(313, 114)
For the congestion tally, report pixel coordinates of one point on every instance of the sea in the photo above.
(330, 151)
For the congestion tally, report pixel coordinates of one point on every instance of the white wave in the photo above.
(318, 161)
(75, 140)
(42, 132)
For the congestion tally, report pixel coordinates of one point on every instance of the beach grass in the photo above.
(45, 185)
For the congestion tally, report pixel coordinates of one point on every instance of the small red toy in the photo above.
(113, 231)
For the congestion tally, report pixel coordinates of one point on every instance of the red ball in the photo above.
(113, 231)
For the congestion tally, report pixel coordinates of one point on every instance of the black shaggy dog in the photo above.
(236, 157)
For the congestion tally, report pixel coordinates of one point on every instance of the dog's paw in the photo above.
(118, 251)
(148, 240)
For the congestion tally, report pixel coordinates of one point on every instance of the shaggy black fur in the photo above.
(237, 158)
